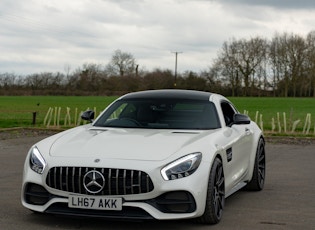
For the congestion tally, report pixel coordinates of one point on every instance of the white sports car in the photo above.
(160, 154)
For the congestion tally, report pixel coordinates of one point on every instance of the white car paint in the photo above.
(149, 150)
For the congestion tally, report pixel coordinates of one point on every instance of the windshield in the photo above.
(162, 114)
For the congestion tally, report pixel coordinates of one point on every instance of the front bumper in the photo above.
(174, 204)
(175, 199)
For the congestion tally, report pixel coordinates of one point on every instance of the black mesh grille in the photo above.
(117, 181)
(36, 194)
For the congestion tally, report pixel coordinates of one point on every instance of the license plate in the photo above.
(95, 202)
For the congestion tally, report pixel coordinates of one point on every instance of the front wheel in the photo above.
(215, 195)
(258, 180)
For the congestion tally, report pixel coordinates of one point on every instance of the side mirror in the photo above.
(88, 115)
(240, 119)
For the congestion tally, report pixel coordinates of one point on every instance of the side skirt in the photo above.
(235, 189)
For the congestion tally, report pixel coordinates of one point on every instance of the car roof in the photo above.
(169, 94)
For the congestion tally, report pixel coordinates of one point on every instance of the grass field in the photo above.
(17, 111)
(294, 108)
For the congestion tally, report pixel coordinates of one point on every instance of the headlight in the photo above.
(182, 167)
(37, 162)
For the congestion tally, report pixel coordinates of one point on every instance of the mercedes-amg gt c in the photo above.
(159, 154)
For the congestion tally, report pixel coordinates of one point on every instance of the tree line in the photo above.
(282, 66)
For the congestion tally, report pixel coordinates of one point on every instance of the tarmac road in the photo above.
(287, 201)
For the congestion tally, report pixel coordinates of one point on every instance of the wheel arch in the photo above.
(223, 160)
(220, 156)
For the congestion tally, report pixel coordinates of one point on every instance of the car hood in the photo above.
(137, 144)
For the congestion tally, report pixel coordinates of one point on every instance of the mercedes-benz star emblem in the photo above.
(93, 181)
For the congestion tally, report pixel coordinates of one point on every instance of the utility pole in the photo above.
(176, 53)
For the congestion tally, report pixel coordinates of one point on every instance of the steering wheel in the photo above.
(131, 120)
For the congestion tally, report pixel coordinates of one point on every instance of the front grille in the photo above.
(117, 181)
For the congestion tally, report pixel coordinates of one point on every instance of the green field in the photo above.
(294, 109)
(17, 111)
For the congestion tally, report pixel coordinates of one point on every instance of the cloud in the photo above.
(39, 36)
(279, 4)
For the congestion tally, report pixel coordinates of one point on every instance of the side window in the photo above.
(228, 112)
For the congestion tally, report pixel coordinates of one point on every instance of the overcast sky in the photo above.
(52, 35)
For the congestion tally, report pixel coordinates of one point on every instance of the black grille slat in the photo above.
(148, 183)
(67, 176)
(125, 184)
(109, 182)
(79, 180)
(55, 179)
(61, 178)
(139, 181)
(117, 181)
(131, 182)
(73, 184)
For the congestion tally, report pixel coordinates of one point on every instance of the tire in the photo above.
(215, 195)
(258, 180)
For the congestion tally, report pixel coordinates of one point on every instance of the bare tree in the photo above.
(276, 57)
(296, 51)
(251, 56)
(241, 60)
(121, 64)
(88, 78)
(310, 63)
(7, 80)
(287, 58)
(226, 65)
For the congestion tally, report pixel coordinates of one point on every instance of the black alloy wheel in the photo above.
(259, 173)
(215, 195)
